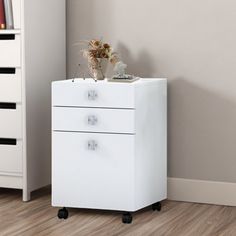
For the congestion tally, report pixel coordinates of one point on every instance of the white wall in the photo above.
(193, 44)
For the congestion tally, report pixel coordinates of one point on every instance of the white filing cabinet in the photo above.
(31, 56)
(109, 145)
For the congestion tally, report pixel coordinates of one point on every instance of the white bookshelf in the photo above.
(32, 55)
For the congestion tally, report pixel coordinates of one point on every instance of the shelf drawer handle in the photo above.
(7, 37)
(92, 145)
(92, 120)
(6, 105)
(92, 95)
(4, 70)
(8, 141)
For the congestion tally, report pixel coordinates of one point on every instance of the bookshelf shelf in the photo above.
(13, 31)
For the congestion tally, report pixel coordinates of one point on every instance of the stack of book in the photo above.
(126, 79)
(6, 14)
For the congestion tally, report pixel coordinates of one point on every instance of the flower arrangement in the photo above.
(95, 53)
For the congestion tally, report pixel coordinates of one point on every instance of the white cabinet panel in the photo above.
(93, 94)
(93, 120)
(11, 158)
(10, 52)
(10, 87)
(101, 177)
(11, 123)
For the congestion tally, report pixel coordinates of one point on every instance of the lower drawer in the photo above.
(93, 170)
(11, 158)
(11, 122)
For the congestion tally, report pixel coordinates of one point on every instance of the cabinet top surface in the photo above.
(100, 82)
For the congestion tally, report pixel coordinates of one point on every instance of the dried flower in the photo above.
(98, 50)
(95, 43)
(106, 45)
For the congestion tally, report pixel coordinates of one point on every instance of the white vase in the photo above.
(99, 73)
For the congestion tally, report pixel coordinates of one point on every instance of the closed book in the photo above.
(9, 14)
(124, 80)
(2, 15)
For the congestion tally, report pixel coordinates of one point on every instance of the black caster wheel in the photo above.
(156, 206)
(63, 213)
(127, 218)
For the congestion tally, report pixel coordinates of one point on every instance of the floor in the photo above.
(37, 218)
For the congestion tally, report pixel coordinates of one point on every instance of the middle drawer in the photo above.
(94, 120)
(10, 122)
(10, 85)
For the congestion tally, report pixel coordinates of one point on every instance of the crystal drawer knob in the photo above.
(92, 120)
(92, 145)
(92, 95)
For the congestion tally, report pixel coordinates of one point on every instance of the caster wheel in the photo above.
(63, 213)
(156, 206)
(127, 218)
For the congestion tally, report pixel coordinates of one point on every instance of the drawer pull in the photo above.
(92, 120)
(7, 141)
(92, 95)
(5, 105)
(92, 145)
(4, 70)
(7, 37)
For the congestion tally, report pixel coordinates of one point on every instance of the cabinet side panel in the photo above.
(151, 144)
(45, 61)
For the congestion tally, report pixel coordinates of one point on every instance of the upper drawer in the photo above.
(93, 94)
(93, 120)
(10, 121)
(10, 49)
(10, 85)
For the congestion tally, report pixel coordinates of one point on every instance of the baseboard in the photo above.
(210, 192)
